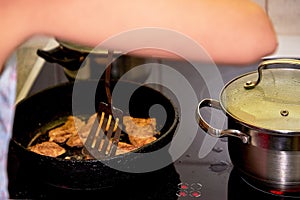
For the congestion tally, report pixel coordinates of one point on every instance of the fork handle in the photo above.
(107, 77)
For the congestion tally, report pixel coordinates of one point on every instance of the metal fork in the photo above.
(104, 135)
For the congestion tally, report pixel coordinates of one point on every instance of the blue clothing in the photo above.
(8, 80)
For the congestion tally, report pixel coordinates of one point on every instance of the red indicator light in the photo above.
(276, 192)
(183, 186)
(181, 193)
(195, 194)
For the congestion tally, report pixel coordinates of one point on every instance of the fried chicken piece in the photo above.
(48, 149)
(62, 133)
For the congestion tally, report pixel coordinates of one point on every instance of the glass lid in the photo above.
(269, 99)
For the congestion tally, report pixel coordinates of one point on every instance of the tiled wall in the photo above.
(285, 15)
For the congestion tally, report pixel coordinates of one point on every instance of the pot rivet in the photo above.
(249, 83)
(284, 113)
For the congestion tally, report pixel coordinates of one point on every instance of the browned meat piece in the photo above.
(59, 135)
(62, 133)
(86, 154)
(140, 127)
(75, 131)
(48, 149)
(141, 141)
(124, 148)
(74, 141)
(78, 138)
(85, 129)
(140, 131)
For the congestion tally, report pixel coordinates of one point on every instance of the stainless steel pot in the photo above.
(264, 120)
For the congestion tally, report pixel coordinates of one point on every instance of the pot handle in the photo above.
(214, 131)
(264, 64)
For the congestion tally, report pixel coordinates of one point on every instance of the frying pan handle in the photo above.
(289, 61)
(69, 59)
(214, 131)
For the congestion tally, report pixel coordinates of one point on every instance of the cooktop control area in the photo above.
(207, 177)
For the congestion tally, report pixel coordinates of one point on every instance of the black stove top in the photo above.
(209, 178)
(183, 179)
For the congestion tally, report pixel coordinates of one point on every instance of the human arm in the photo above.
(231, 31)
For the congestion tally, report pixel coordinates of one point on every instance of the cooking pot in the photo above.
(49, 108)
(90, 61)
(263, 111)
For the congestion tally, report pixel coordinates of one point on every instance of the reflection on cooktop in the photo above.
(239, 188)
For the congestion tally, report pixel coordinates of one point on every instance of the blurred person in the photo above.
(231, 32)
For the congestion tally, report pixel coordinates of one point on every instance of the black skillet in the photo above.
(50, 107)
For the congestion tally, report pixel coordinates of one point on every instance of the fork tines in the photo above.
(104, 136)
